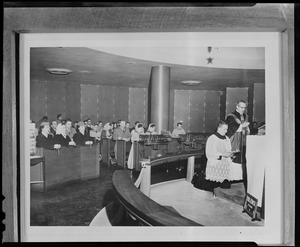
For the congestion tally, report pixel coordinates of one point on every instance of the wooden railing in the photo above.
(141, 207)
(135, 197)
(151, 146)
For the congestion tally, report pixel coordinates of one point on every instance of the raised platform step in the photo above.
(235, 194)
(201, 206)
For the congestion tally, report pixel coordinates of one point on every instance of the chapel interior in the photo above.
(161, 85)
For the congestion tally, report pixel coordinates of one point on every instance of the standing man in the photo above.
(121, 133)
(238, 128)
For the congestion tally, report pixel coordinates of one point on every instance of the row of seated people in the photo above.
(53, 135)
(62, 136)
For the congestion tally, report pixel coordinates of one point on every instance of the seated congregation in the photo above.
(217, 168)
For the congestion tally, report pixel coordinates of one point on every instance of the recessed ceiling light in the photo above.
(191, 83)
(85, 71)
(59, 71)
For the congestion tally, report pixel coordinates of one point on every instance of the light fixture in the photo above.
(191, 83)
(59, 71)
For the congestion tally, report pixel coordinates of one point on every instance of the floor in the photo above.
(77, 204)
(199, 205)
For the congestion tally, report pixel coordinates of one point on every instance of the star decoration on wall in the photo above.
(209, 60)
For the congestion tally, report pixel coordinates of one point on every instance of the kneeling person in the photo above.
(219, 166)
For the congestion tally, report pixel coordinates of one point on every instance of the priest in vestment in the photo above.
(238, 128)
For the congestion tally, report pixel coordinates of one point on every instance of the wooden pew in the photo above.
(68, 164)
(123, 149)
(107, 150)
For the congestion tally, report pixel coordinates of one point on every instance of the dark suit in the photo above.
(59, 139)
(80, 139)
(45, 142)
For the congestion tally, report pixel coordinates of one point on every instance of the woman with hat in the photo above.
(151, 129)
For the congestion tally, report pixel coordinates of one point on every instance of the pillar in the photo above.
(159, 92)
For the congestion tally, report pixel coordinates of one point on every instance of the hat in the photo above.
(80, 123)
(44, 123)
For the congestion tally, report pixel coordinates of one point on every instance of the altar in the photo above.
(256, 158)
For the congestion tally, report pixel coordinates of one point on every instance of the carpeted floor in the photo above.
(76, 204)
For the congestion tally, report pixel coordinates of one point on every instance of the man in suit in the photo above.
(121, 133)
(70, 130)
(53, 128)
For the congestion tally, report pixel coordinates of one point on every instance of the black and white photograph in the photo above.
(146, 130)
(150, 136)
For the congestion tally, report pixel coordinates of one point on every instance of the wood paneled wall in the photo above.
(233, 95)
(138, 105)
(104, 103)
(97, 102)
(199, 110)
(51, 98)
(47, 99)
(259, 108)
(109, 104)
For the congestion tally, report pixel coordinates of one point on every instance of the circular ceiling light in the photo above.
(191, 83)
(59, 71)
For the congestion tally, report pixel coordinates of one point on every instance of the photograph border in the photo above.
(14, 26)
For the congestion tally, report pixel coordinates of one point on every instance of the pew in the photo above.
(66, 165)
(151, 146)
(107, 150)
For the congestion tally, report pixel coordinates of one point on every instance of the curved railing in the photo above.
(137, 201)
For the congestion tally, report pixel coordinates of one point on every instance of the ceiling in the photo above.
(91, 66)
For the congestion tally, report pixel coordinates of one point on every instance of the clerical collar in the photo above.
(220, 136)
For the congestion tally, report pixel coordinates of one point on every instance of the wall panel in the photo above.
(181, 108)
(196, 125)
(38, 100)
(105, 104)
(138, 105)
(199, 110)
(233, 95)
(89, 102)
(73, 101)
(212, 110)
(259, 103)
(121, 103)
(55, 99)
